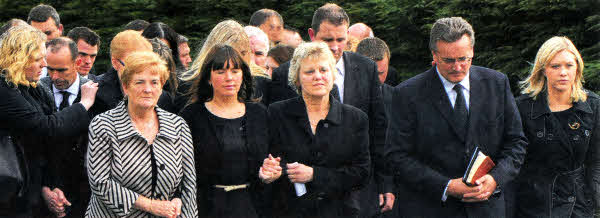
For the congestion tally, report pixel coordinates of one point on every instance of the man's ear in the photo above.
(311, 34)
(60, 29)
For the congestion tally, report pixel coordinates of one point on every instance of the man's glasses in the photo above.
(120, 61)
(460, 60)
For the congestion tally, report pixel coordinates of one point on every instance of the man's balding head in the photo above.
(360, 31)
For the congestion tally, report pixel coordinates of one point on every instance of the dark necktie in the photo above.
(65, 100)
(461, 115)
(335, 92)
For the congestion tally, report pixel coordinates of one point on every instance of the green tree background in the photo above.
(508, 32)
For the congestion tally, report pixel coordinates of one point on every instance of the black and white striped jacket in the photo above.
(119, 164)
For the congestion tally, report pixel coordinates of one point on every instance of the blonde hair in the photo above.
(536, 82)
(141, 61)
(313, 50)
(228, 32)
(17, 48)
(128, 40)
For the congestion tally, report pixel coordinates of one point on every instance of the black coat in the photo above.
(362, 89)
(425, 151)
(338, 154)
(66, 169)
(208, 153)
(561, 174)
(110, 94)
(25, 115)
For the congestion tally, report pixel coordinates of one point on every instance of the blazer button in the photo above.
(571, 199)
(326, 125)
(540, 134)
(162, 167)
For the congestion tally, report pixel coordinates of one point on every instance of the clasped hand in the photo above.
(55, 200)
(271, 171)
(170, 209)
(484, 188)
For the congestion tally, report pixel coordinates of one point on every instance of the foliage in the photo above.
(508, 32)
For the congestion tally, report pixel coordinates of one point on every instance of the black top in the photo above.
(231, 134)
(212, 159)
(564, 119)
(338, 152)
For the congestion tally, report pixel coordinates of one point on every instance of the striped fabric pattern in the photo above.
(120, 167)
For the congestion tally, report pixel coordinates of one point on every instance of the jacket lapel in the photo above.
(438, 97)
(476, 93)
(350, 80)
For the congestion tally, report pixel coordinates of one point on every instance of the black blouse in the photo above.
(231, 134)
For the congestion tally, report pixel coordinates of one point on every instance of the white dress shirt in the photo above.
(449, 88)
(73, 91)
(339, 77)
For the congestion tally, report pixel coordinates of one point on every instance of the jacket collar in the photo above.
(540, 106)
(297, 108)
(166, 123)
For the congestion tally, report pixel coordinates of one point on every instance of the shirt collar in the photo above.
(340, 65)
(73, 89)
(449, 85)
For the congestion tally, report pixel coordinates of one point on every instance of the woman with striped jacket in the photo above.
(140, 158)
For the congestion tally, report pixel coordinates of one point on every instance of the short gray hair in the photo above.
(253, 31)
(450, 29)
(308, 50)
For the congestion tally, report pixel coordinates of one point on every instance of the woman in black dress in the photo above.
(561, 174)
(322, 144)
(229, 134)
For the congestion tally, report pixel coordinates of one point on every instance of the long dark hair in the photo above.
(219, 57)
(163, 31)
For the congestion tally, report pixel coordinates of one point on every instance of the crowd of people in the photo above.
(262, 124)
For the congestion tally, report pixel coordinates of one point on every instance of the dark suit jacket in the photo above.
(46, 83)
(66, 160)
(386, 93)
(338, 154)
(109, 94)
(92, 77)
(209, 155)
(425, 151)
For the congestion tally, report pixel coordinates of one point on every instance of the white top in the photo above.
(73, 90)
(448, 86)
(339, 77)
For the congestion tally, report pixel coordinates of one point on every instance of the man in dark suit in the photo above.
(440, 116)
(376, 49)
(356, 84)
(88, 43)
(66, 178)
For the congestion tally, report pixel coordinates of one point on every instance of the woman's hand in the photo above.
(177, 203)
(270, 170)
(158, 207)
(299, 173)
(88, 94)
(55, 200)
(162, 208)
